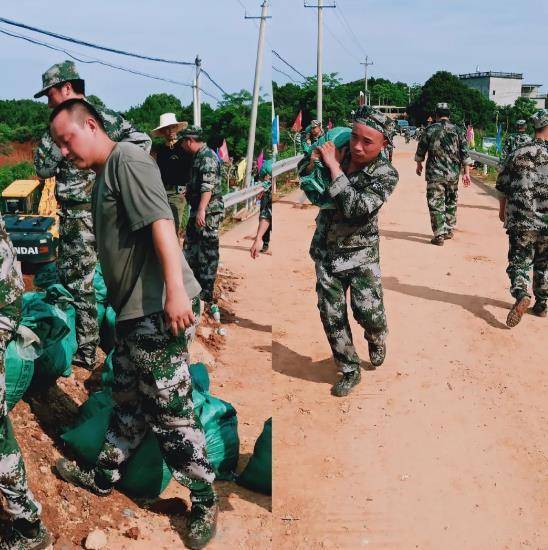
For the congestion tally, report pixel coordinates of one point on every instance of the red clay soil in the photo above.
(18, 152)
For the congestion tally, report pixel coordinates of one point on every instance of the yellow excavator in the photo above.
(29, 209)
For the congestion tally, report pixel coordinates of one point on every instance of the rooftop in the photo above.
(487, 74)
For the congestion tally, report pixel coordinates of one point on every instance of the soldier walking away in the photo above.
(523, 194)
(27, 530)
(345, 246)
(447, 149)
(150, 286)
(203, 194)
(513, 141)
(175, 165)
(76, 258)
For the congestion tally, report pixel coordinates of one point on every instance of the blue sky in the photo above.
(407, 40)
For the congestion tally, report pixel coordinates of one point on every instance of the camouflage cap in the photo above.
(315, 123)
(57, 74)
(521, 122)
(375, 119)
(540, 119)
(443, 108)
(192, 132)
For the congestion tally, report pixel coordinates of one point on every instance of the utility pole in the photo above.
(197, 103)
(319, 61)
(255, 103)
(366, 64)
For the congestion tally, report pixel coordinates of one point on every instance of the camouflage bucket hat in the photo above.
(57, 74)
(192, 132)
(521, 122)
(540, 119)
(375, 119)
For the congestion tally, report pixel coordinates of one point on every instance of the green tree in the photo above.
(467, 105)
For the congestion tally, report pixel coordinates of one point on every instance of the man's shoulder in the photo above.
(207, 157)
(129, 152)
(382, 168)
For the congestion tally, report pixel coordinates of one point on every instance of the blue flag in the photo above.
(499, 138)
(275, 130)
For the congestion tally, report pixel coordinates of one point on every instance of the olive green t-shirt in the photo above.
(128, 196)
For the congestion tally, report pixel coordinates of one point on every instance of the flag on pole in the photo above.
(260, 160)
(470, 137)
(298, 124)
(329, 125)
(223, 152)
(241, 169)
(275, 130)
(499, 139)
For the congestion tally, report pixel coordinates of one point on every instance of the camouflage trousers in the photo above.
(366, 302)
(13, 478)
(201, 250)
(178, 204)
(528, 250)
(76, 265)
(152, 389)
(442, 204)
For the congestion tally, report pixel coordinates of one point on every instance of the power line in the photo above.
(340, 43)
(342, 17)
(100, 62)
(285, 74)
(213, 81)
(287, 63)
(91, 45)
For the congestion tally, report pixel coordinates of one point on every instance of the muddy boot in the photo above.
(377, 354)
(201, 524)
(345, 384)
(449, 235)
(539, 309)
(438, 240)
(25, 535)
(517, 311)
(88, 478)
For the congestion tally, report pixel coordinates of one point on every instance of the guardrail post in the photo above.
(485, 169)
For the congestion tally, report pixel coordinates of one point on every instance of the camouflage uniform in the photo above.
(345, 249)
(523, 181)
(76, 255)
(447, 151)
(513, 141)
(13, 481)
(152, 387)
(265, 212)
(201, 246)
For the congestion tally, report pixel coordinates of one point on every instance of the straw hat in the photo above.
(169, 119)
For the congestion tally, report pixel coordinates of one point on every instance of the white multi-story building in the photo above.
(503, 88)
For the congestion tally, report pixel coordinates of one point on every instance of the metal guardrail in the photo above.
(488, 160)
(285, 165)
(243, 195)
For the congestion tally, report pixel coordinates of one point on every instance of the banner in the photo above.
(275, 130)
(298, 124)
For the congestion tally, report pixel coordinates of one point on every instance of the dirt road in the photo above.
(445, 445)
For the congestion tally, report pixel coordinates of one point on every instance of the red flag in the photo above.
(329, 125)
(223, 151)
(298, 124)
(260, 160)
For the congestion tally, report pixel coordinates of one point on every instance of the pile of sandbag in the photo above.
(257, 475)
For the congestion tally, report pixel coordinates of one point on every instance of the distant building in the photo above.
(504, 88)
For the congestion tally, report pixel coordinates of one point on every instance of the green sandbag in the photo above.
(144, 475)
(56, 359)
(257, 475)
(107, 331)
(220, 424)
(315, 184)
(46, 275)
(199, 377)
(19, 374)
(266, 169)
(99, 285)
